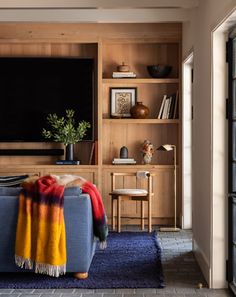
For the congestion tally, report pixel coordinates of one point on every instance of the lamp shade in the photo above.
(166, 147)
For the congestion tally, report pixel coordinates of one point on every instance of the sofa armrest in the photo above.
(80, 239)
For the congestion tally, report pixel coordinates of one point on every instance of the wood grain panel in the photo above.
(138, 56)
(73, 33)
(133, 135)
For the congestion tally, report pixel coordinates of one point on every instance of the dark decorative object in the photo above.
(139, 111)
(159, 71)
(147, 150)
(124, 152)
(70, 152)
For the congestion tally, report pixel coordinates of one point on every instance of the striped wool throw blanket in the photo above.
(40, 235)
(100, 227)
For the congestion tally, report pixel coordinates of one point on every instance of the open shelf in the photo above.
(139, 166)
(141, 121)
(140, 81)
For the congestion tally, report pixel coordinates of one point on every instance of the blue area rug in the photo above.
(131, 260)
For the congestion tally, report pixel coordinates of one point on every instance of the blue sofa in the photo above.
(80, 241)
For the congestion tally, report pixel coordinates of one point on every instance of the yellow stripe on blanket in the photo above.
(40, 235)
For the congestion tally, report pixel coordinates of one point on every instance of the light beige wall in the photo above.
(198, 35)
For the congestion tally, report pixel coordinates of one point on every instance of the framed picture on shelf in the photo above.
(121, 100)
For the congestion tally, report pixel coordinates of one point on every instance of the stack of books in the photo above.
(123, 74)
(67, 162)
(122, 161)
(169, 107)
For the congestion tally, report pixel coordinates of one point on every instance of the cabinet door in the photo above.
(88, 174)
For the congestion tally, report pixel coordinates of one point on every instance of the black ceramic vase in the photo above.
(123, 152)
(70, 152)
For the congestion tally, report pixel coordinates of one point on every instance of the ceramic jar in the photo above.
(123, 152)
(123, 68)
(147, 158)
(139, 111)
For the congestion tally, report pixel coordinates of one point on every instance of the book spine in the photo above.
(164, 116)
(127, 163)
(176, 106)
(123, 76)
(122, 73)
(123, 159)
(169, 106)
(172, 106)
(162, 107)
(67, 162)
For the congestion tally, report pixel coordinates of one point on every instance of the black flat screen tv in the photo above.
(33, 87)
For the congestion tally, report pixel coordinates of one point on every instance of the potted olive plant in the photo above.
(66, 130)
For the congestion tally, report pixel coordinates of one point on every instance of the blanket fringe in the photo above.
(52, 270)
(23, 263)
(103, 245)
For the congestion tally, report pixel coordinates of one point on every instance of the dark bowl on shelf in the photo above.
(159, 71)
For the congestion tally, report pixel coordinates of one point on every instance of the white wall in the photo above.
(198, 35)
(187, 143)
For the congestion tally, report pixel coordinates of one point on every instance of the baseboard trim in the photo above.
(202, 262)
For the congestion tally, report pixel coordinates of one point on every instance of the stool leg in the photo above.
(150, 214)
(142, 215)
(112, 214)
(118, 214)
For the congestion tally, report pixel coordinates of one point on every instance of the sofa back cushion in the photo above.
(9, 191)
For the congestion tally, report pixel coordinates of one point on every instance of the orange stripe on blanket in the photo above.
(52, 213)
(48, 213)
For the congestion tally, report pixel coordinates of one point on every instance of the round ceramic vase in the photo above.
(139, 111)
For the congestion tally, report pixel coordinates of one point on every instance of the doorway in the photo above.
(231, 48)
(187, 141)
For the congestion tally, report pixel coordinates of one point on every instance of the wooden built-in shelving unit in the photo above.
(138, 45)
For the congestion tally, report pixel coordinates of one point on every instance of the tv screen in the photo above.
(33, 87)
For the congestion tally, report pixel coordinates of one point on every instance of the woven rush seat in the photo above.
(130, 192)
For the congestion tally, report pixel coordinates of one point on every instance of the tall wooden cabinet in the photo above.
(138, 45)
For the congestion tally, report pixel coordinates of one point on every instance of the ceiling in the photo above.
(97, 11)
(100, 4)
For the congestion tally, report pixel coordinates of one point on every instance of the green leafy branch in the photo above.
(64, 129)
